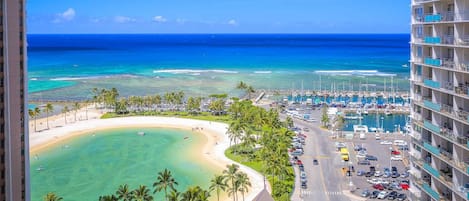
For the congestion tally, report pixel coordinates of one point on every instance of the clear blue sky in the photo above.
(218, 16)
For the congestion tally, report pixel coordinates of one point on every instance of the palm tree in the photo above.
(249, 91)
(108, 198)
(123, 193)
(47, 109)
(65, 110)
(203, 195)
(142, 193)
(37, 111)
(52, 197)
(191, 194)
(32, 115)
(243, 183)
(241, 85)
(324, 116)
(76, 107)
(218, 183)
(164, 180)
(230, 174)
(174, 196)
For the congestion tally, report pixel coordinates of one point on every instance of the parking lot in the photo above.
(382, 151)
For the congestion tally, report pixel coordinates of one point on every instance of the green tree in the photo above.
(142, 193)
(174, 196)
(191, 194)
(243, 183)
(52, 197)
(325, 117)
(49, 108)
(289, 122)
(339, 123)
(230, 175)
(37, 112)
(76, 107)
(32, 115)
(65, 110)
(108, 198)
(163, 181)
(218, 183)
(124, 193)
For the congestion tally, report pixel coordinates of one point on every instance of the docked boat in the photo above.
(141, 133)
(353, 117)
(360, 128)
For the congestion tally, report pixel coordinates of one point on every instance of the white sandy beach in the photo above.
(213, 150)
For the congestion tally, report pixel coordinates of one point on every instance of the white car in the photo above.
(373, 181)
(378, 174)
(382, 195)
(386, 142)
(396, 158)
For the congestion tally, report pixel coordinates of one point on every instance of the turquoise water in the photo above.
(92, 165)
(64, 67)
(387, 122)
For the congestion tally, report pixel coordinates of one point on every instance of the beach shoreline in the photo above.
(212, 151)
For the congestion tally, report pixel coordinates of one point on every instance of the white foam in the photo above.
(33, 79)
(355, 72)
(263, 72)
(192, 71)
(89, 77)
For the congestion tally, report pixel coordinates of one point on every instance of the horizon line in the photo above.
(215, 33)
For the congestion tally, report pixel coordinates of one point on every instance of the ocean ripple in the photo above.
(355, 72)
(193, 72)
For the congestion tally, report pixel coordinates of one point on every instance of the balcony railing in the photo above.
(432, 149)
(432, 62)
(431, 83)
(431, 170)
(432, 105)
(434, 194)
(432, 18)
(432, 40)
(428, 125)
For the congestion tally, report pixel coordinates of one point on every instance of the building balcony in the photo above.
(431, 148)
(431, 170)
(433, 18)
(431, 83)
(432, 40)
(434, 128)
(428, 189)
(432, 105)
(432, 62)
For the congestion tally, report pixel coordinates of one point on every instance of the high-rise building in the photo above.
(14, 147)
(440, 93)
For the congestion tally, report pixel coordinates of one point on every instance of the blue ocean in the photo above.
(67, 67)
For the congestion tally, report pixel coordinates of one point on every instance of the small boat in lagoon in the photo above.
(141, 133)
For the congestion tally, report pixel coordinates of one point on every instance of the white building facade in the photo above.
(440, 100)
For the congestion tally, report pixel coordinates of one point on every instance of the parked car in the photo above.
(361, 172)
(315, 162)
(396, 158)
(303, 175)
(378, 174)
(369, 174)
(394, 152)
(405, 175)
(378, 187)
(371, 158)
(382, 195)
(373, 181)
(374, 194)
(385, 142)
(303, 185)
(302, 167)
(401, 197)
(395, 175)
(365, 193)
(392, 195)
(387, 175)
(364, 162)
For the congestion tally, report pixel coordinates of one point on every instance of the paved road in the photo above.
(325, 181)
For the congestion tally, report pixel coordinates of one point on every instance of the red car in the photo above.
(299, 162)
(394, 152)
(404, 186)
(378, 187)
